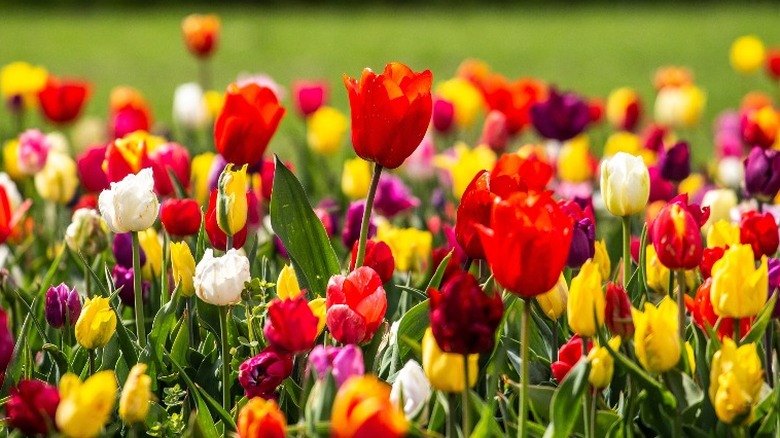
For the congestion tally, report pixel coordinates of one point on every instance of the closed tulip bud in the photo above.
(183, 264)
(411, 247)
(341, 362)
(413, 386)
(569, 355)
(722, 233)
(287, 287)
(189, 107)
(759, 230)
(134, 402)
(739, 289)
(463, 317)
(87, 233)
(291, 325)
(130, 205)
(58, 180)
(562, 116)
(747, 54)
(201, 34)
(220, 280)
(625, 184)
(495, 133)
(762, 173)
(583, 238)
(736, 379)
(601, 258)
(720, 202)
(217, 237)
(443, 116)
(573, 160)
(260, 418)
(617, 312)
(325, 130)
(362, 407)
(676, 235)
(262, 374)
(32, 406)
(232, 208)
(356, 178)
(675, 162)
(445, 370)
(62, 305)
(586, 303)
(96, 324)
(656, 342)
(553, 302)
(356, 305)
(180, 217)
(624, 109)
(379, 257)
(309, 96)
(33, 151)
(602, 365)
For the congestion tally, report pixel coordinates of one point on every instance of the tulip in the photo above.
(150, 243)
(569, 355)
(325, 130)
(760, 232)
(495, 133)
(762, 173)
(232, 200)
(32, 406)
(309, 96)
(96, 324)
(443, 115)
(680, 106)
(390, 113)
(356, 178)
(720, 202)
(341, 362)
(130, 112)
(660, 188)
(704, 315)
(180, 217)
(583, 238)
(513, 98)
(624, 109)
(246, 123)
(586, 304)
(772, 65)
(89, 169)
(260, 418)
(722, 233)
(747, 54)
(411, 247)
(130, 205)
(553, 302)
(445, 370)
(675, 162)
(561, 117)
(658, 274)
(87, 233)
(656, 340)
(134, 402)
(85, 407)
(759, 126)
(411, 384)
(62, 100)
(220, 280)
(739, 289)
(625, 184)
(262, 374)
(201, 34)
(189, 106)
(217, 237)
(465, 164)
(465, 98)
(393, 197)
(379, 257)
(129, 154)
(475, 208)
(58, 180)
(200, 167)
(123, 250)
(676, 235)
(601, 258)
(62, 305)
(291, 325)
(287, 287)
(183, 264)
(708, 258)
(167, 159)
(736, 379)
(351, 230)
(362, 407)
(463, 317)
(602, 365)
(33, 152)
(617, 312)
(629, 143)
(356, 305)
(22, 82)
(572, 158)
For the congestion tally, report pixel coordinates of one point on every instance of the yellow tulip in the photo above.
(85, 407)
(553, 302)
(736, 378)
(617, 103)
(96, 324)
(691, 358)
(722, 233)
(134, 402)
(11, 159)
(214, 102)
(465, 164)
(445, 370)
(410, 247)
(465, 97)
(658, 274)
(574, 160)
(739, 289)
(625, 184)
(58, 180)
(287, 286)
(232, 208)
(747, 54)
(602, 365)
(622, 141)
(356, 178)
(325, 130)
(692, 184)
(586, 298)
(200, 169)
(150, 243)
(318, 308)
(601, 257)
(656, 341)
(680, 106)
(183, 264)
(22, 79)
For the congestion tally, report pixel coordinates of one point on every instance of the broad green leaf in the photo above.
(567, 401)
(412, 326)
(760, 323)
(203, 417)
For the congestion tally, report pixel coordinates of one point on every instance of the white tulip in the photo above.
(415, 387)
(14, 197)
(130, 204)
(220, 280)
(189, 107)
(720, 202)
(625, 184)
(731, 172)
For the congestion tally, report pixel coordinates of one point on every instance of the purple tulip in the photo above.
(262, 374)
(351, 232)
(123, 277)
(343, 362)
(123, 250)
(393, 196)
(583, 243)
(443, 115)
(61, 305)
(660, 189)
(762, 173)
(774, 282)
(675, 163)
(561, 117)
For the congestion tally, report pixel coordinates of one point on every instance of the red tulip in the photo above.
(463, 317)
(760, 232)
(309, 96)
(531, 173)
(246, 123)
(62, 100)
(390, 113)
(125, 157)
(494, 132)
(708, 258)
(528, 242)
(180, 217)
(379, 257)
(568, 355)
(356, 305)
(90, 169)
(704, 315)
(129, 112)
(514, 99)
(773, 63)
(31, 407)
(8, 221)
(291, 326)
(676, 234)
(217, 237)
(170, 157)
(618, 312)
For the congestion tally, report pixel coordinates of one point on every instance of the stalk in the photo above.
(140, 324)
(626, 250)
(681, 304)
(361, 254)
(465, 399)
(223, 316)
(526, 328)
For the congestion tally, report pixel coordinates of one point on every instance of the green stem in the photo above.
(555, 341)
(204, 74)
(361, 254)
(140, 324)
(87, 281)
(626, 250)
(223, 329)
(451, 416)
(465, 398)
(681, 304)
(593, 413)
(228, 243)
(526, 327)
(164, 271)
(250, 328)
(91, 361)
(737, 334)
(585, 408)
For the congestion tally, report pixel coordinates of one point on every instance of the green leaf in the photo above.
(58, 356)
(439, 274)
(203, 417)
(541, 399)
(567, 401)
(761, 322)
(301, 232)
(182, 341)
(412, 326)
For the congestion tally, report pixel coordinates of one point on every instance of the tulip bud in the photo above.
(362, 407)
(656, 342)
(62, 305)
(585, 307)
(87, 233)
(231, 200)
(201, 34)
(189, 107)
(760, 232)
(262, 374)
(675, 162)
(325, 130)
(411, 384)
(356, 305)
(287, 287)
(759, 126)
(569, 355)
(341, 362)
(32, 406)
(739, 289)
(309, 96)
(736, 378)
(625, 184)
(167, 159)
(553, 302)
(602, 365)
(217, 237)
(583, 239)
(123, 250)
(445, 370)
(747, 54)
(762, 173)
(617, 312)
(561, 117)
(183, 264)
(443, 115)
(676, 236)
(624, 109)
(291, 325)
(220, 280)
(261, 418)
(495, 133)
(180, 217)
(130, 205)
(85, 407)
(379, 257)
(134, 402)
(96, 324)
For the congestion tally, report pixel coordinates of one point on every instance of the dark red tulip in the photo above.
(291, 326)
(32, 406)
(760, 232)
(262, 374)
(180, 217)
(568, 355)
(583, 241)
(675, 162)
(562, 116)
(617, 314)
(166, 159)
(379, 257)
(443, 115)
(90, 169)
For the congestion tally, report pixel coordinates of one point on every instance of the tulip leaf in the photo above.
(14, 370)
(438, 275)
(182, 342)
(567, 401)
(301, 232)
(412, 326)
(761, 322)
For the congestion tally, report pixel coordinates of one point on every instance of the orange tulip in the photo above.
(201, 34)
(261, 418)
(362, 408)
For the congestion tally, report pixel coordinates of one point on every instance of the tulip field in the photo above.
(418, 244)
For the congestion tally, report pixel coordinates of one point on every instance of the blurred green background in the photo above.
(591, 48)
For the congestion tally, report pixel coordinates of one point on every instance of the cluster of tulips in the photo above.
(449, 280)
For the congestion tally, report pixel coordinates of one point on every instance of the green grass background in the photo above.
(592, 49)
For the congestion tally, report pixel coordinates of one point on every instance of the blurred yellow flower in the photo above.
(200, 169)
(287, 286)
(722, 233)
(680, 107)
(22, 79)
(553, 302)
(58, 180)
(11, 159)
(736, 378)
(739, 289)
(656, 341)
(356, 178)
(150, 243)
(601, 258)
(692, 184)
(467, 99)
(411, 247)
(586, 304)
(747, 54)
(96, 324)
(445, 370)
(134, 402)
(465, 164)
(574, 160)
(214, 101)
(618, 103)
(85, 407)
(326, 129)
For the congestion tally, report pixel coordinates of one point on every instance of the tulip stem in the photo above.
(223, 329)
(91, 361)
(526, 327)
(87, 281)
(681, 304)
(626, 250)
(465, 399)
(361, 254)
(228, 243)
(768, 357)
(140, 325)
(555, 341)
(593, 413)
